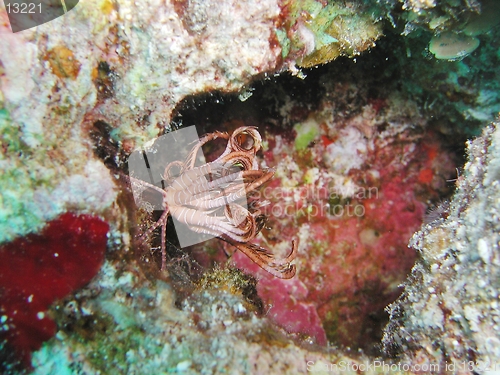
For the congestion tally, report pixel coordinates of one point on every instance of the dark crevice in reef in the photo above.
(378, 73)
(209, 111)
(106, 148)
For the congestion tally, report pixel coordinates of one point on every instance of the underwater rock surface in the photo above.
(80, 93)
(449, 312)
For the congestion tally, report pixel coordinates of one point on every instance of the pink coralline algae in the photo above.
(40, 268)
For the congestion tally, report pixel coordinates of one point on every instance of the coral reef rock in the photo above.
(410, 80)
(449, 312)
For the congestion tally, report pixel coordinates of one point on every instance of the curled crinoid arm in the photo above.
(191, 158)
(167, 176)
(245, 140)
(280, 268)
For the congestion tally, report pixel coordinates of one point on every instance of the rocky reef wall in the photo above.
(363, 106)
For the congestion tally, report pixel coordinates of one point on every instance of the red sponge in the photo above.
(40, 268)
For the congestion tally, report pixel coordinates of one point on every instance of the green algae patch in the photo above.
(306, 132)
(17, 181)
(283, 41)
